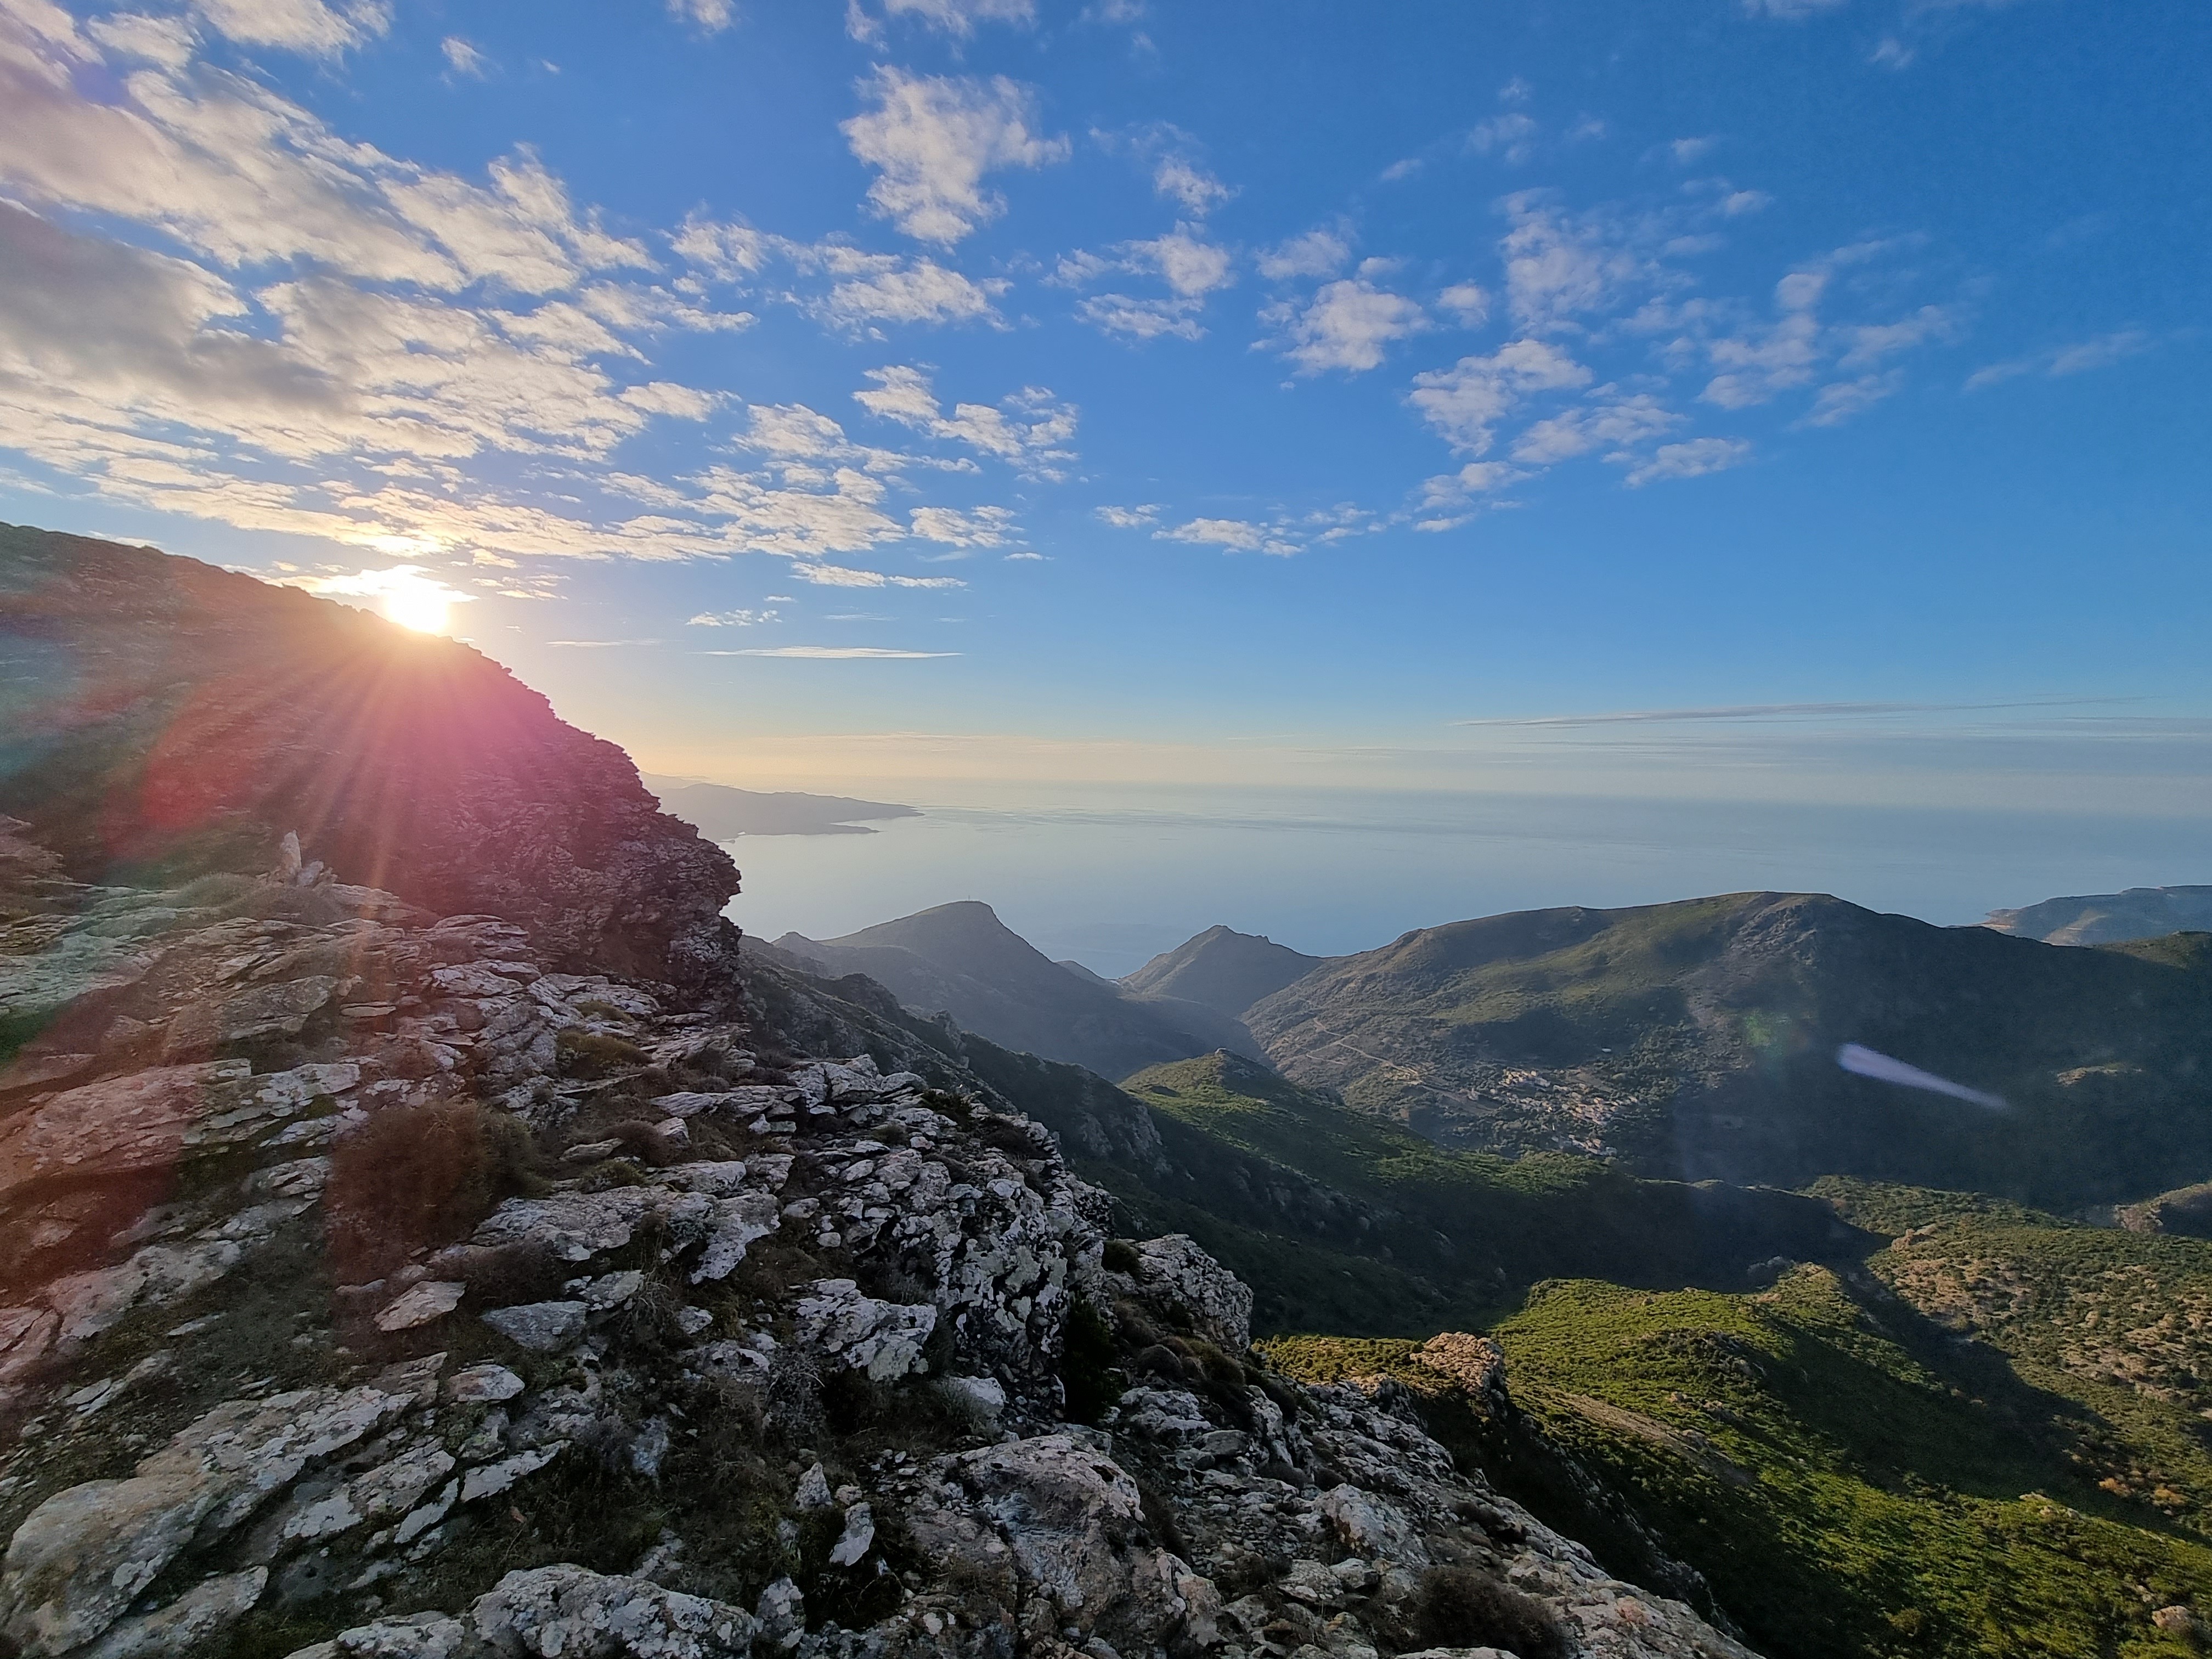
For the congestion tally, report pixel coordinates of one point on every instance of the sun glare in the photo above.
(406, 594)
(424, 609)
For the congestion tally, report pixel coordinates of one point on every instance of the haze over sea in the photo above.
(1111, 875)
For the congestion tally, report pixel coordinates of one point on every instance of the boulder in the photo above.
(117, 1125)
(1475, 1363)
(1070, 1522)
(541, 1327)
(577, 1614)
(85, 1554)
(1174, 1269)
(433, 1298)
(884, 1339)
(484, 1384)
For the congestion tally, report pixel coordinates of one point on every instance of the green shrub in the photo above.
(588, 1054)
(1461, 1607)
(1086, 1357)
(415, 1176)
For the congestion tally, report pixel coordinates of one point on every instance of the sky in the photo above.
(1794, 402)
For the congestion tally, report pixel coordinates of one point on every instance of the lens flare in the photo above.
(406, 593)
(425, 609)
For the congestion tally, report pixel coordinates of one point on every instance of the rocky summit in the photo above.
(423, 1260)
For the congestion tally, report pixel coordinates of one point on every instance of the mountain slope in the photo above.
(1462, 1233)
(1226, 970)
(159, 715)
(1850, 1481)
(1698, 1040)
(960, 959)
(2108, 918)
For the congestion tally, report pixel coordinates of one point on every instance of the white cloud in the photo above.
(837, 653)
(400, 584)
(167, 41)
(1189, 264)
(1692, 459)
(1511, 135)
(1465, 402)
(2100, 352)
(1230, 535)
(1453, 489)
(956, 18)
(237, 174)
(710, 17)
(1838, 401)
(919, 291)
(730, 252)
(309, 26)
(1316, 253)
(1760, 362)
(932, 141)
(1142, 319)
(1618, 423)
(1030, 430)
(1468, 303)
(1685, 152)
(1027, 555)
(1870, 343)
(1347, 324)
(804, 519)
(464, 58)
(838, 575)
(1791, 11)
(1191, 267)
(733, 618)
(1129, 518)
(982, 526)
(1184, 181)
(1557, 267)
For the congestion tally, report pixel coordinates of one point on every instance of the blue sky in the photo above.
(1286, 394)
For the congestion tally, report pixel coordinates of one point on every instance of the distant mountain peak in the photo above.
(2109, 918)
(1222, 969)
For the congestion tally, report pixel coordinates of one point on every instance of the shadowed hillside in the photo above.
(960, 959)
(1699, 1039)
(1226, 970)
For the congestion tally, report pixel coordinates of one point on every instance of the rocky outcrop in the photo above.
(712, 1267)
(165, 711)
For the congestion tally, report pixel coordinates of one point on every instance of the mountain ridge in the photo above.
(2140, 912)
(961, 960)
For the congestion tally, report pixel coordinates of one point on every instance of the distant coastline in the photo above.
(721, 813)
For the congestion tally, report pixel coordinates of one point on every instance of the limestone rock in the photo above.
(191, 1624)
(1475, 1363)
(576, 1615)
(83, 1556)
(884, 1339)
(432, 1299)
(1175, 1268)
(541, 1327)
(1069, 1520)
(487, 1383)
(858, 1538)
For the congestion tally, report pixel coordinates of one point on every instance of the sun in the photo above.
(420, 606)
